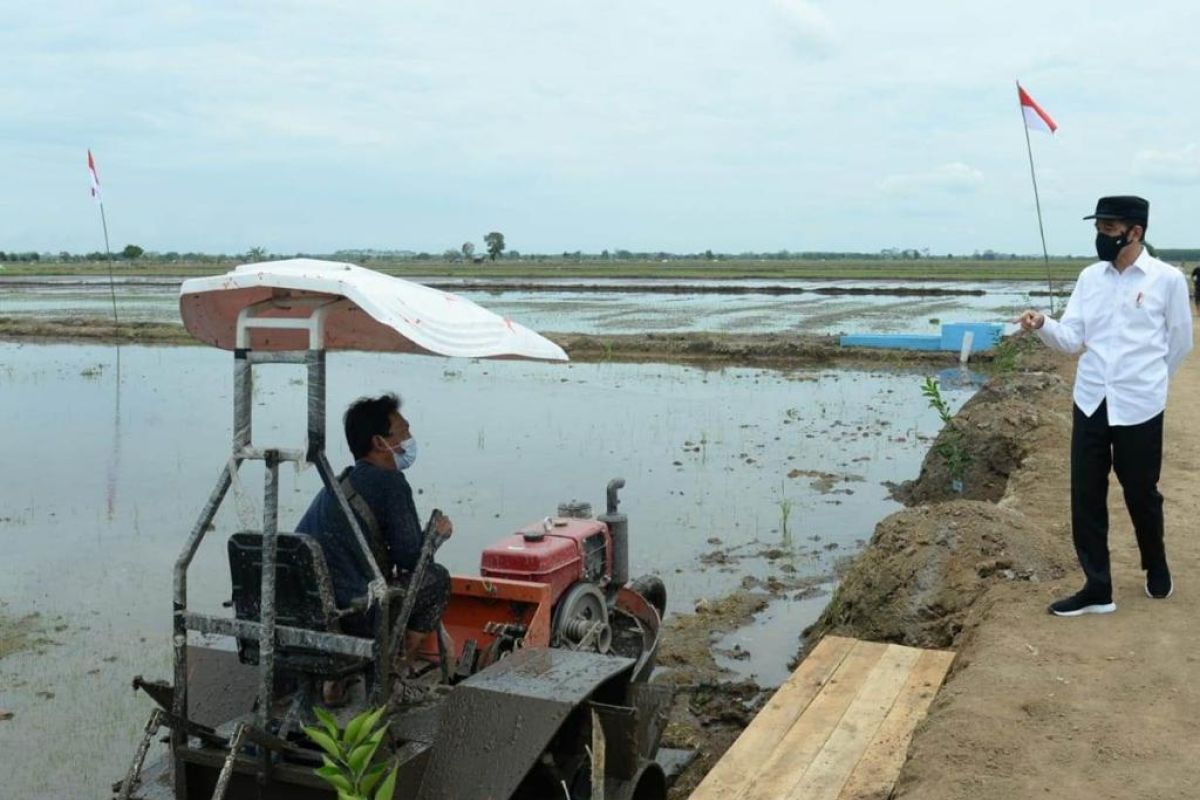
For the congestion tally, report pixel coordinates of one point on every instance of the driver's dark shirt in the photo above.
(390, 499)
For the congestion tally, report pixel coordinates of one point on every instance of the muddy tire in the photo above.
(653, 589)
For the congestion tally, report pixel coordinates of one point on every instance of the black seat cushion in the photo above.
(303, 599)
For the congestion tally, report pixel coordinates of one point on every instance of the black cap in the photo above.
(1123, 206)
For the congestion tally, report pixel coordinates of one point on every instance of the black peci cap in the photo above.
(1123, 206)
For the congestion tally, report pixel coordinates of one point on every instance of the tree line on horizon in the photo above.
(497, 250)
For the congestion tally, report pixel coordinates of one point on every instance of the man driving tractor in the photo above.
(379, 438)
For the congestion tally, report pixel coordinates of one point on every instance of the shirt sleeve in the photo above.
(1066, 334)
(1179, 325)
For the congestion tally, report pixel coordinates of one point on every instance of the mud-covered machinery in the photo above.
(543, 688)
(584, 561)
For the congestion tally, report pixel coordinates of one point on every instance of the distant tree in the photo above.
(256, 254)
(132, 251)
(624, 255)
(451, 255)
(515, 255)
(468, 250)
(708, 254)
(422, 256)
(495, 244)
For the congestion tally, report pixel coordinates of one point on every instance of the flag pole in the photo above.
(99, 196)
(1036, 199)
(112, 289)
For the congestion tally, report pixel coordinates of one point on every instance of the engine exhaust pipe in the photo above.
(618, 526)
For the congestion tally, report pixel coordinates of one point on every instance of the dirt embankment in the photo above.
(920, 580)
(709, 288)
(696, 348)
(739, 349)
(91, 329)
(1036, 705)
(926, 567)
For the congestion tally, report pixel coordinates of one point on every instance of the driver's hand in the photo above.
(443, 527)
(1031, 320)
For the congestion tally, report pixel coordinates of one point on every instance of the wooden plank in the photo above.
(743, 759)
(875, 775)
(831, 767)
(782, 767)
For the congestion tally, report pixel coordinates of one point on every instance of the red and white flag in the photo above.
(1035, 118)
(95, 177)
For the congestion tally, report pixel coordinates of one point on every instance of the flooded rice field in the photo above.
(735, 478)
(625, 306)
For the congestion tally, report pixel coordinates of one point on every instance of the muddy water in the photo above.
(565, 309)
(107, 469)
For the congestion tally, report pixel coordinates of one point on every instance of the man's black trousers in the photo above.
(1135, 452)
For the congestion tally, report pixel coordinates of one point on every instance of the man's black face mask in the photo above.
(1107, 247)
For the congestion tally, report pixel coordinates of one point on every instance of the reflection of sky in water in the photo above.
(98, 501)
(620, 312)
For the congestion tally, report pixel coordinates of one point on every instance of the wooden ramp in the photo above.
(837, 729)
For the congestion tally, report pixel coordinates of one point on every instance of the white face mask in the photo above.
(405, 453)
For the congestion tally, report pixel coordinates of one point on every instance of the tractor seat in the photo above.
(303, 599)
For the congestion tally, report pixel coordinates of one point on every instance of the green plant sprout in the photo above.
(952, 447)
(348, 755)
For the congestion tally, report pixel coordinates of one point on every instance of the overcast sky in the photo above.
(739, 125)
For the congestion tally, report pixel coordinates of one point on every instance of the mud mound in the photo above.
(995, 425)
(927, 566)
(741, 349)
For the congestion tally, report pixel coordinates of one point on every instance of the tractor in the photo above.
(539, 678)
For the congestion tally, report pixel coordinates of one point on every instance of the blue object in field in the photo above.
(892, 341)
(986, 335)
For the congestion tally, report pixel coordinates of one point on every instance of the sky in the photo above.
(739, 125)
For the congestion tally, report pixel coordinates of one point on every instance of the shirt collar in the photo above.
(1142, 262)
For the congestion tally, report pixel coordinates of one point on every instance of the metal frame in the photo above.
(268, 632)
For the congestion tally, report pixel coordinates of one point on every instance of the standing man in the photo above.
(1196, 286)
(1129, 313)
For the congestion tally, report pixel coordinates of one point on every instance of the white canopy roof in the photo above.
(379, 312)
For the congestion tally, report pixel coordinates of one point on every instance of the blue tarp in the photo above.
(986, 336)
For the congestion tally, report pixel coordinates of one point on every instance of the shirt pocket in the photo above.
(1142, 309)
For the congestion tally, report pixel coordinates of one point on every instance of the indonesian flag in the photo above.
(95, 177)
(1035, 118)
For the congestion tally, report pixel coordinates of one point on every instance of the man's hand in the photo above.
(1031, 320)
(443, 527)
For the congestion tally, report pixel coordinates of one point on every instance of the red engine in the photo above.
(561, 553)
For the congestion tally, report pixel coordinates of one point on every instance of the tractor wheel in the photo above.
(579, 611)
(654, 590)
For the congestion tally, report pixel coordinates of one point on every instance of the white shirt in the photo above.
(1135, 327)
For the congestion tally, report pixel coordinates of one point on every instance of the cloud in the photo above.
(952, 178)
(807, 25)
(1180, 166)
